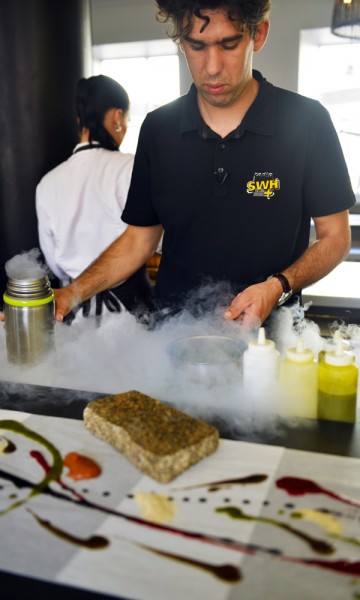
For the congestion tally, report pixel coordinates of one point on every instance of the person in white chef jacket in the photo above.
(79, 203)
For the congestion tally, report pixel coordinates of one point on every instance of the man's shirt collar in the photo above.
(260, 117)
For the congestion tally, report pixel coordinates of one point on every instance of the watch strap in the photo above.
(287, 291)
(284, 282)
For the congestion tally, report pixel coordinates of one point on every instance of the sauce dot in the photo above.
(81, 467)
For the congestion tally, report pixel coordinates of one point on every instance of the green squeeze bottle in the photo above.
(298, 378)
(337, 385)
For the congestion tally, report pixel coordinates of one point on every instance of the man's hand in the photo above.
(65, 300)
(255, 303)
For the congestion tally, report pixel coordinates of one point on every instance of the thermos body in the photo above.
(29, 310)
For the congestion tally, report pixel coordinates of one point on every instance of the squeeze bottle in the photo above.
(260, 369)
(337, 385)
(298, 381)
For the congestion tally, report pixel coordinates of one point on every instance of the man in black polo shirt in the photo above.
(231, 174)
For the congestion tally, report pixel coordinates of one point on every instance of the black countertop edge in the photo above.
(327, 437)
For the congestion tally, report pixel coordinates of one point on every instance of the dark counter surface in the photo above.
(316, 436)
(43, 400)
(329, 437)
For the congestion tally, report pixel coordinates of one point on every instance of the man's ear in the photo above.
(261, 34)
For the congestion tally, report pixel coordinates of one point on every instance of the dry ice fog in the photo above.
(121, 354)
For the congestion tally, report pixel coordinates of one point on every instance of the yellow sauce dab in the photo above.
(156, 507)
(331, 525)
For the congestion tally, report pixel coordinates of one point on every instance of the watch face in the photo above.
(283, 298)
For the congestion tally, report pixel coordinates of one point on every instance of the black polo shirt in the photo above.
(235, 209)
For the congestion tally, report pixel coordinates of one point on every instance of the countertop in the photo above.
(327, 437)
(316, 436)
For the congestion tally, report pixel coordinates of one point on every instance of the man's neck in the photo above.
(224, 119)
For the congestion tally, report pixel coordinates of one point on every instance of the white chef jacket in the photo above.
(79, 205)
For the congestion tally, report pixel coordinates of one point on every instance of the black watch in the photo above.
(287, 291)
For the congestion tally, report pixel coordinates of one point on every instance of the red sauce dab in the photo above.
(296, 486)
(81, 467)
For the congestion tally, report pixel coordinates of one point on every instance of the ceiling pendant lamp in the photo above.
(346, 19)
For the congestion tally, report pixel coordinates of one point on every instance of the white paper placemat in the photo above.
(285, 525)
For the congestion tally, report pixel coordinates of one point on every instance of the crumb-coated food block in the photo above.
(158, 439)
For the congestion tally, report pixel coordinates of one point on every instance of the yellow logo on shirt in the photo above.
(263, 185)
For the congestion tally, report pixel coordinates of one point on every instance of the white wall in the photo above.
(279, 58)
(116, 21)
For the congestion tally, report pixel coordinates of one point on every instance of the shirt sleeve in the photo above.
(139, 209)
(327, 186)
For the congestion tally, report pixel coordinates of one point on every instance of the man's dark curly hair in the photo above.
(249, 13)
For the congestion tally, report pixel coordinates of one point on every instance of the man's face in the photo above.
(220, 57)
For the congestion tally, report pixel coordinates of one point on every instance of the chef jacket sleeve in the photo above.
(46, 235)
(123, 179)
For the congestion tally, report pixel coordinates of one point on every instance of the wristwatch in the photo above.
(287, 291)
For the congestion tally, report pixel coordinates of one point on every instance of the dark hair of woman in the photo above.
(94, 97)
(248, 13)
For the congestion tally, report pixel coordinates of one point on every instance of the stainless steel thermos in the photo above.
(29, 310)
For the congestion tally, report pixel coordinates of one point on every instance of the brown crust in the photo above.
(160, 440)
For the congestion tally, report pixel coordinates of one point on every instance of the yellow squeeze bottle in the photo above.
(337, 385)
(298, 379)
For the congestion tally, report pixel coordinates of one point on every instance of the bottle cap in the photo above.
(330, 343)
(300, 354)
(261, 344)
(339, 357)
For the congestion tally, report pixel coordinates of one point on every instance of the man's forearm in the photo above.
(114, 265)
(120, 260)
(318, 260)
(255, 303)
